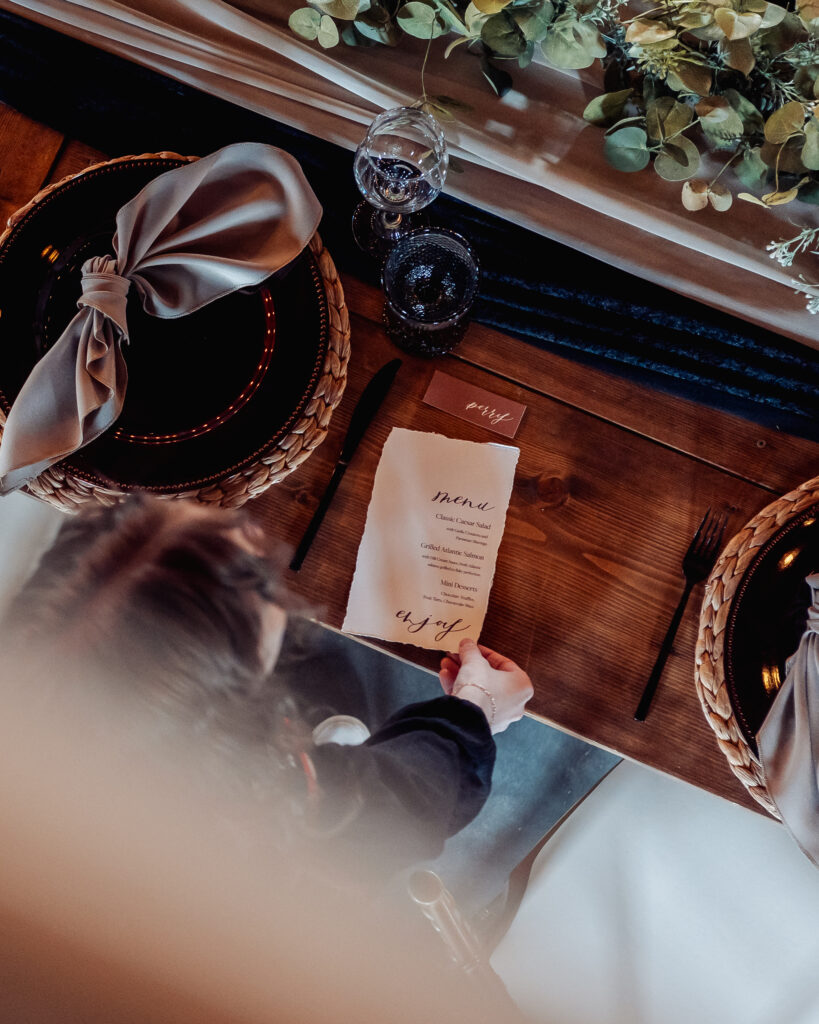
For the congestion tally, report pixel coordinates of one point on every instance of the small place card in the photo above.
(474, 404)
(427, 558)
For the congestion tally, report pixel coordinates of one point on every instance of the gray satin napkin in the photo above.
(192, 235)
(788, 741)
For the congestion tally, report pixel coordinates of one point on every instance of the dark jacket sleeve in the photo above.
(419, 779)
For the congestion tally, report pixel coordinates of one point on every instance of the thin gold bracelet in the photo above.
(483, 689)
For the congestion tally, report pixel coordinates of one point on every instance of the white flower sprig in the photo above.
(786, 250)
(803, 287)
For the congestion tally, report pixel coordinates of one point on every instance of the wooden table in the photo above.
(612, 480)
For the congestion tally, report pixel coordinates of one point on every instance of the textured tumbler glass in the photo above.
(430, 281)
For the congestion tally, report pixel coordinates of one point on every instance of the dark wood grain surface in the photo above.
(612, 481)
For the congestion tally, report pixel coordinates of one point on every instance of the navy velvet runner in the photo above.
(533, 288)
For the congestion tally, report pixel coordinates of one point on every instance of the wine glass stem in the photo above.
(391, 221)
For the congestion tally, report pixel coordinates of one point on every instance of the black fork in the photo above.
(698, 561)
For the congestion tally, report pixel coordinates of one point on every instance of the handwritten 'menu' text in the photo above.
(445, 497)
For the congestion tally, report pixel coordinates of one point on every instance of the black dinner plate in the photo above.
(208, 393)
(767, 618)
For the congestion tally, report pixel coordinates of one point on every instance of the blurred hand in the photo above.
(476, 672)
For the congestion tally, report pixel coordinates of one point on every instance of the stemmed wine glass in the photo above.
(399, 167)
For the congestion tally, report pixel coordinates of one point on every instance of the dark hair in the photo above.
(164, 595)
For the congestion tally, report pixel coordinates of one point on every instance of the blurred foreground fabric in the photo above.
(658, 902)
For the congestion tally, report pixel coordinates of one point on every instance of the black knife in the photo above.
(368, 405)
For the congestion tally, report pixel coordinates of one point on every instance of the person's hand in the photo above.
(482, 676)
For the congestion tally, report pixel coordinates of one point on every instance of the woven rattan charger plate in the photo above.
(723, 589)
(302, 423)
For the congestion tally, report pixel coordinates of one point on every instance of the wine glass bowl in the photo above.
(399, 167)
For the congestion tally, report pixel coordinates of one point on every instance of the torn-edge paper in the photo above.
(434, 525)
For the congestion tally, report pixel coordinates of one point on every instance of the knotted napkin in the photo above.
(788, 741)
(192, 235)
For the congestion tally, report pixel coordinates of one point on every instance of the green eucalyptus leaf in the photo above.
(678, 160)
(808, 11)
(305, 22)
(344, 10)
(450, 18)
(785, 122)
(693, 77)
(645, 31)
(439, 112)
(810, 151)
(738, 54)
(374, 14)
(491, 6)
(638, 119)
(716, 142)
(420, 20)
(473, 19)
(810, 193)
(573, 43)
(783, 36)
(377, 31)
(535, 24)
(526, 58)
(503, 36)
(736, 25)
(606, 109)
(752, 170)
(720, 123)
(806, 81)
(327, 32)
(772, 15)
(451, 103)
(779, 198)
(752, 120)
(787, 157)
(667, 117)
(692, 18)
(501, 81)
(627, 149)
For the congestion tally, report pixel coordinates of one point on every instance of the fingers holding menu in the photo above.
(495, 683)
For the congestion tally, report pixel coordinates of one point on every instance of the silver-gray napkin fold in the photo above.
(788, 741)
(192, 235)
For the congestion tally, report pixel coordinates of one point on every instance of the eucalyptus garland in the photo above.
(737, 79)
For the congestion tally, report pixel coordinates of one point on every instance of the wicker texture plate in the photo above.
(733, 684)
(261, 371)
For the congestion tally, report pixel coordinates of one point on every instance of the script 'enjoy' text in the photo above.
(444, 628)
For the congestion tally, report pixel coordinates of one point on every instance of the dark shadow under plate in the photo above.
(767, 618)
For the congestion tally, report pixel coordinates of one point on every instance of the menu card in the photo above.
(427, 558)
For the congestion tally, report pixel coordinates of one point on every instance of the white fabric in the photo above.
(658, 903)
(788, 738)
(529, 157)
(27, 529)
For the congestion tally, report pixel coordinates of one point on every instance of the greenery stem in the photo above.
(670, 138)
(724, 167)
(424, 64)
